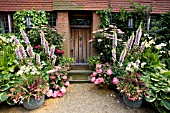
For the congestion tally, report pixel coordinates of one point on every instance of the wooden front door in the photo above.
(80, 47)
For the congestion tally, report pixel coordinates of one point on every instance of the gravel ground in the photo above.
(82, 98)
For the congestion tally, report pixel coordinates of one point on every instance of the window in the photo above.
(7, 23)
(52, 19)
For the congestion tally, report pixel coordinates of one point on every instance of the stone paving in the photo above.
(82, 98)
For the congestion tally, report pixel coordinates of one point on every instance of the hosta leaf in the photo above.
(167, 89)
(157, 103)
(155, 79)
(166, 103)
(150, 99)
(3, 96)
(166, 96)
(4, 87)
(161, 109)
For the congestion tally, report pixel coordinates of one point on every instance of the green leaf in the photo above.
(162, 109)
(150, 99)
(166, 103)
(4, 87)
(3, 96)
(155, 79)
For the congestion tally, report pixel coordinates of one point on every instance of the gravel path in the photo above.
(81, 98)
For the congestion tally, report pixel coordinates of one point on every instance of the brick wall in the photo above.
(15, 5)
(95, 27)
(64, 28)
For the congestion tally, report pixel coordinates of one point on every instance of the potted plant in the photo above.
(31, 90)
(131, 86)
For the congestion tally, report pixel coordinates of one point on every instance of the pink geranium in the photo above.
(52, 77)
(49, 93)
(98, 66)
(55, 94)
(109, 72)
(64, 77)
(99, 71)
(60, 94)
(57, 86)
(67, 83)
(63, 90)
(115, 80)
(100, 80)
(94, 74)
(96, 82)
(93, 79)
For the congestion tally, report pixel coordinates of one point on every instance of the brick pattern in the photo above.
(64, 29)
(80, 4)
(160, 6)
(95, 27)
(15, 5)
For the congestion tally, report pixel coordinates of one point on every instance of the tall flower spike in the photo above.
(38, 59)
(25, 37)
(114, 54)
(54, 59)
(143, 44)
(130, 42)
(42, 39)
(18, 54)
(46, 47)
(22, 51)
(30, 51)
(122, 56)
(52, 49)
(138, 35)
(114, 39)
(15, 40)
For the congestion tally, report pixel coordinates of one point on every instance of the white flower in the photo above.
(128, 68)
(32, 73)
(152, 42)
(20, 72)
(143, 64)
(51, 71)
(100, 30)
(99, 40)
(38, 73)
(158, 47)
(135, 65)
(22, 67)
(169, 53)
(150, 37)
(162, 51)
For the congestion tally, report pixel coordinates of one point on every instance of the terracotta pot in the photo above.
(134, 104)
(33, 103)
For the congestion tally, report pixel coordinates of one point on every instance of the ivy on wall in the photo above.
(37, 18)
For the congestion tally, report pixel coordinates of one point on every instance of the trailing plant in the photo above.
(37, 18)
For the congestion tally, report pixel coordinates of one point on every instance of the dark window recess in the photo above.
(74, 21)
(52, 19)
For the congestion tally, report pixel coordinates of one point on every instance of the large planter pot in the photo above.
(33, 103)
(134, 104)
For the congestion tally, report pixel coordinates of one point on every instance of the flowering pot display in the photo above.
(33, 103)
(135, 104)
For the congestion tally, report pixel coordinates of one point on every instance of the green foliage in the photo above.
(104, 17)
(158, 83)
(161, 30)
(8, 67)
(93, 60)
(52, 36)
(37, 18)
(66, 61)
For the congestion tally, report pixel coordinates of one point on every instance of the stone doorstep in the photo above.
(79, 76)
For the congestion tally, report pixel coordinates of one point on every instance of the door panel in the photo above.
(80, 47)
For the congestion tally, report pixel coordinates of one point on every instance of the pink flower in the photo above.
(37, 47)
(98, 66)
(60, 94)
(63, 90)
(109, 72)
(93, 79)
(100, 80)
(96, 82)
(10, 94)
(99, 71)
(52, 77)
(67, 83)
(94, 74)
(64, 77)
(52, 82)
(50, 93)
(57, 86)
(115, 80)
(55, 94)
(62, 52)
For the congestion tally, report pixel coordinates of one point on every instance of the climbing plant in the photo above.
(37, 18)
(104, 17)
